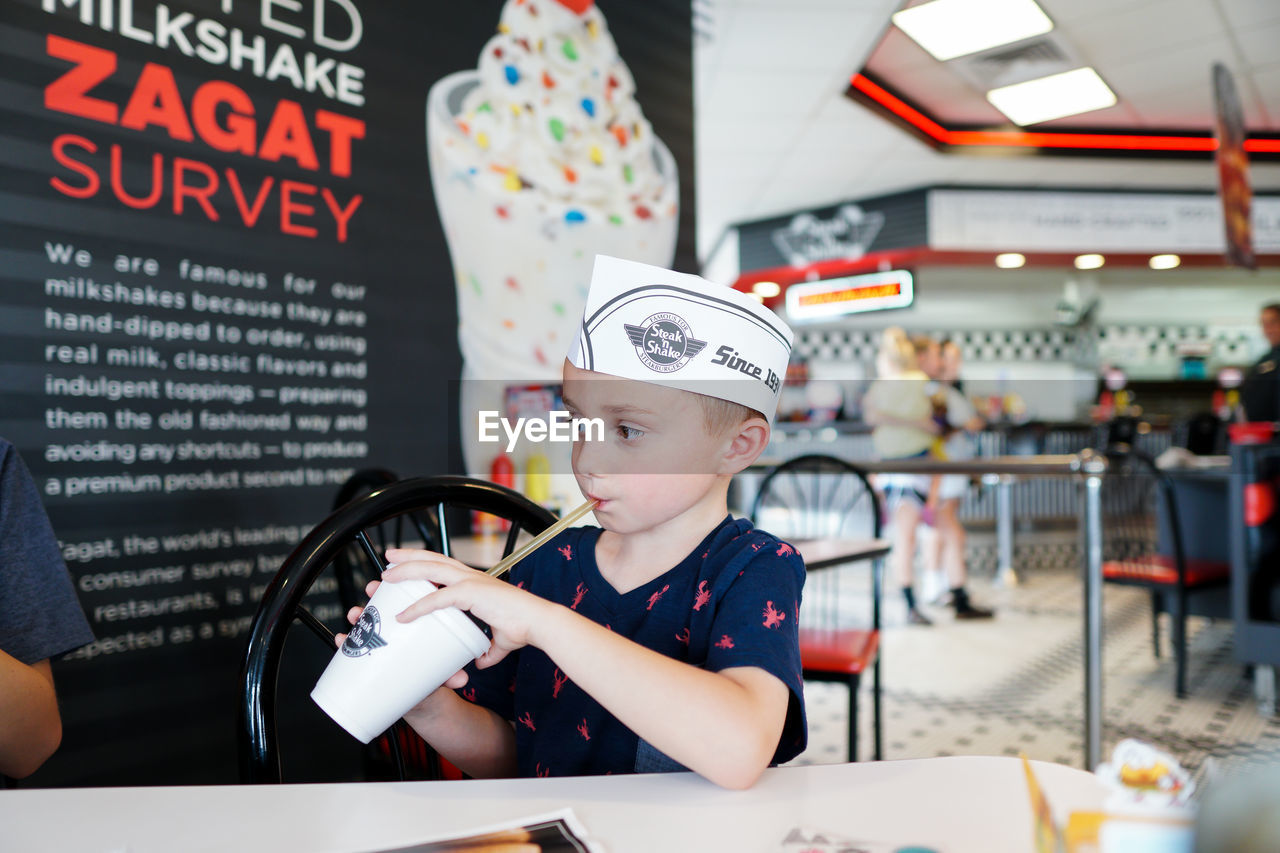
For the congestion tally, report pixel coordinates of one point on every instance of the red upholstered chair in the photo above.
(1142, 542)
(820, 497)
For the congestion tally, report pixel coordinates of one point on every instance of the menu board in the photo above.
(225, 289)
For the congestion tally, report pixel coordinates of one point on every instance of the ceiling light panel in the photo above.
(1058, 95)
(951, 28)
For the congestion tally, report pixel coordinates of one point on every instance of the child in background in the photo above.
(666, 638)
(898, 408)
(959, 419)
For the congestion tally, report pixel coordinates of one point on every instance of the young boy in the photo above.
(666, 638)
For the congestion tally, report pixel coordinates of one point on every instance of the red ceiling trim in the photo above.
(1073, 140)
(900, 108)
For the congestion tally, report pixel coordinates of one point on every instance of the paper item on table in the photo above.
(1045, 833)
(1142, 778)
(554, 832)
(1148, 809)
(802, 839)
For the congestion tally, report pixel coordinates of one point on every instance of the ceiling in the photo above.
(776, 133)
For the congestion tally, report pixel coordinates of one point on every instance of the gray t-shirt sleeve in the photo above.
(40, 616)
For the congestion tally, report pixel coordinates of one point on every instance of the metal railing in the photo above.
(1088, 467)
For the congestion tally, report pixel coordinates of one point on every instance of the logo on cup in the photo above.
(364, 636)
(663, 342)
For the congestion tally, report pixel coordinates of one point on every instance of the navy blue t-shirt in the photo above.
(730, 603)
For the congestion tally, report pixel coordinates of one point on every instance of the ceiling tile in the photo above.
(1136, 31)
(798, 37)
(742, 134)
(1259, 43)
(780, 95)
(1268, 84)
(1243, 14)
(1067, 11)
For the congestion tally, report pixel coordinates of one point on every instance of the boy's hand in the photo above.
(512, 613)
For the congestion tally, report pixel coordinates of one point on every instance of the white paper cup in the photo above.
(385, 667)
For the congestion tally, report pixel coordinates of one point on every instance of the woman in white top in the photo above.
(897, 406)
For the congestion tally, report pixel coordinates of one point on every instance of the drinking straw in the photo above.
(541, 539)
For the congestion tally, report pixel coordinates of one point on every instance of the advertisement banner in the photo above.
(1233, 169)
(228, 286)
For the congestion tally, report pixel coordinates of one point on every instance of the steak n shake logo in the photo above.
(364, 636)
(663, 342)
(846, 235)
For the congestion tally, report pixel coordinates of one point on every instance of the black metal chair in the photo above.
(419, 507)
(1142, 545)
(822, 497)
(349, 563)
(1204, 434)
(1121, 430)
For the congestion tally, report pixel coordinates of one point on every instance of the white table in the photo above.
(958, 805)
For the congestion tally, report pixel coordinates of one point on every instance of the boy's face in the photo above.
(657, 459)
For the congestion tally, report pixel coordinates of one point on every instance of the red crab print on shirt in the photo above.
(683, 636)
(577, 596)
(567, 551)
(703, 596)
(527, 720)
(582, 729)
(540, 771)
(773, 618)
(725, 642)
(653, 599)
(558, 680)
(785, 550)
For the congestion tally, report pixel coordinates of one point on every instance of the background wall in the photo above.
(1005, 322)
(177, 494)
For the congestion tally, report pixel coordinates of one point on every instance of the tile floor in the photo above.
(1015, 684)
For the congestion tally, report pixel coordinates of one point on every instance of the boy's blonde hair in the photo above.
(719, 415)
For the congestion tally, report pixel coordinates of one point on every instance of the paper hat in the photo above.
(653, 325)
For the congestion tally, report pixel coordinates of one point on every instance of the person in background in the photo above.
(900, 413)
(1260, 393)
(947, 550)
(39, 619)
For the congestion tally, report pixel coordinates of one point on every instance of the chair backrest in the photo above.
(348, 566)
(817, 496)
(821, 497)
(1139, 510)
(1122, 429)
(1204, 434)
(423, 505)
